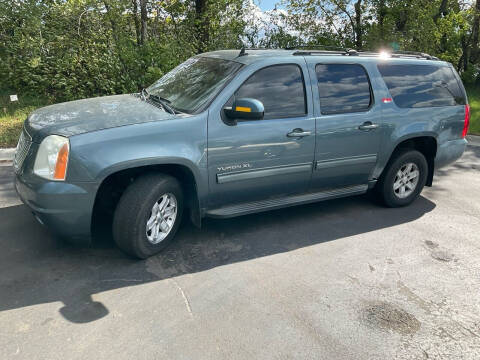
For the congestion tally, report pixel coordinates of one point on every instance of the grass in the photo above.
(13, 114)
(474, 100)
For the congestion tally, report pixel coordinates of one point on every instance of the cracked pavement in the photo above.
(343, 279)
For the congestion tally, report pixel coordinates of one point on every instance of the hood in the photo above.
(81, 116)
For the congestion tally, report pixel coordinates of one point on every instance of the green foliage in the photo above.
(474, 100)
(13, 114)
(70, 49)
(59, 50)
(471, 76)
(438, 27)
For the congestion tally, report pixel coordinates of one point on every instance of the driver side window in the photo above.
(280, 88)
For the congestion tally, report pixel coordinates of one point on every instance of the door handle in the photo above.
(368, 125)
(299, 133)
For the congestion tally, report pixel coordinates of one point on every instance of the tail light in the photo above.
(466, 121)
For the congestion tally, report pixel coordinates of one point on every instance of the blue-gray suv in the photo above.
(229, 133)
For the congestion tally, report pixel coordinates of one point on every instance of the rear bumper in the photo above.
(449, 151)
(65, 208)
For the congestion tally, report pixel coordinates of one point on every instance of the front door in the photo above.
(261, 159)
(348, 125)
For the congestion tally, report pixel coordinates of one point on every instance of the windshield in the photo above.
(194, 83)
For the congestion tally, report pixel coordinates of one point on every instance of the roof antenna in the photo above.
(242, 51)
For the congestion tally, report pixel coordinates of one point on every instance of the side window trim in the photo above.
(305, 100)
(372, 95)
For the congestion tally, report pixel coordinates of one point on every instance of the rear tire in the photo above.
(148, 215)
(403, 179)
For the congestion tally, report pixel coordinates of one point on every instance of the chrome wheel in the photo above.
(406, 180)
(162, 218)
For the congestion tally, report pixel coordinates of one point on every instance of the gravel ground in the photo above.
(343, 279)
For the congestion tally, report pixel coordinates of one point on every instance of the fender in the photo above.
(389, 148)
(180, 141)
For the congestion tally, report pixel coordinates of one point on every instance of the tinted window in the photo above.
(280, 88)
(416, 86)
(343, 88)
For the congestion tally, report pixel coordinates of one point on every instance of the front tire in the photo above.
(403, 179)
(148, 215)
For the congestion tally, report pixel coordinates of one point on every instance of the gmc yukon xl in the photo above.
(229, 133)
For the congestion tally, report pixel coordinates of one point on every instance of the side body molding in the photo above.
(331, 163)
(263, 172)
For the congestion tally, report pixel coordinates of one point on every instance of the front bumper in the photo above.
(449, 151)
(65, 208)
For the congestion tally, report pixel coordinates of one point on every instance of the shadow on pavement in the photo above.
(36, 268)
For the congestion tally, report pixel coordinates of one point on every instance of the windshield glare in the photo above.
(194, 83)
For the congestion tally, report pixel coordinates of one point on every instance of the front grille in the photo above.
(22, 150)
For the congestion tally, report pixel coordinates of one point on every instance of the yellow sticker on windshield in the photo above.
(243, 109)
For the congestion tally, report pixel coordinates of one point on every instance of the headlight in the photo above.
(52, 158)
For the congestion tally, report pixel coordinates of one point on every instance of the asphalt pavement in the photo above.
(342, 279)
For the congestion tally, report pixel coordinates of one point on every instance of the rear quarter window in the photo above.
(419, 86)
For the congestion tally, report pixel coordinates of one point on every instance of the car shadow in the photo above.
(36, 268)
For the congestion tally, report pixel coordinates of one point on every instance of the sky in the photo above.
(266, 4)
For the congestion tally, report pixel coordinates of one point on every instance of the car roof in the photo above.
(250, 56)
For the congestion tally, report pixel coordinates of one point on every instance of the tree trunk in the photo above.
(402, 18)
(382, 12)
(475, 34)
(358, 25)
(202, 25)
(143, 17)
(136, 20)
(463, 61)
(442, 11)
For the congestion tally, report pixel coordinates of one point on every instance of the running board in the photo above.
(272, 204)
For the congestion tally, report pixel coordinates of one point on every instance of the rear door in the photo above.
(348, 124)
(261, 159)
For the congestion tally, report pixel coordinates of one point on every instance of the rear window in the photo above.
(419, 86)
(343, 88)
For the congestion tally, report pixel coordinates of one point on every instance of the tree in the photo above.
(344, 19)
(144, 19)
(136, 21)
(80, 48)
(202, 24)
(475, 32)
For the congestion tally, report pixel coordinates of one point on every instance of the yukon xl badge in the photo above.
(234, 167)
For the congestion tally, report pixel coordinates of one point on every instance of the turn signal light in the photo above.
(62, 162)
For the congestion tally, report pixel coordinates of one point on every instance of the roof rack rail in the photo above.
(344, 52)
(304, 50)
(352, 52)
(326, 47)
(417, 54)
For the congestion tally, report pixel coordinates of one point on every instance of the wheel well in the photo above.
(427, 145)
(113, 186)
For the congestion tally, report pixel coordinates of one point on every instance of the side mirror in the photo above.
(245, 109)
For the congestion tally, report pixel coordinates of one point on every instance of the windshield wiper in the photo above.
(144, 94)
(164, 102)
